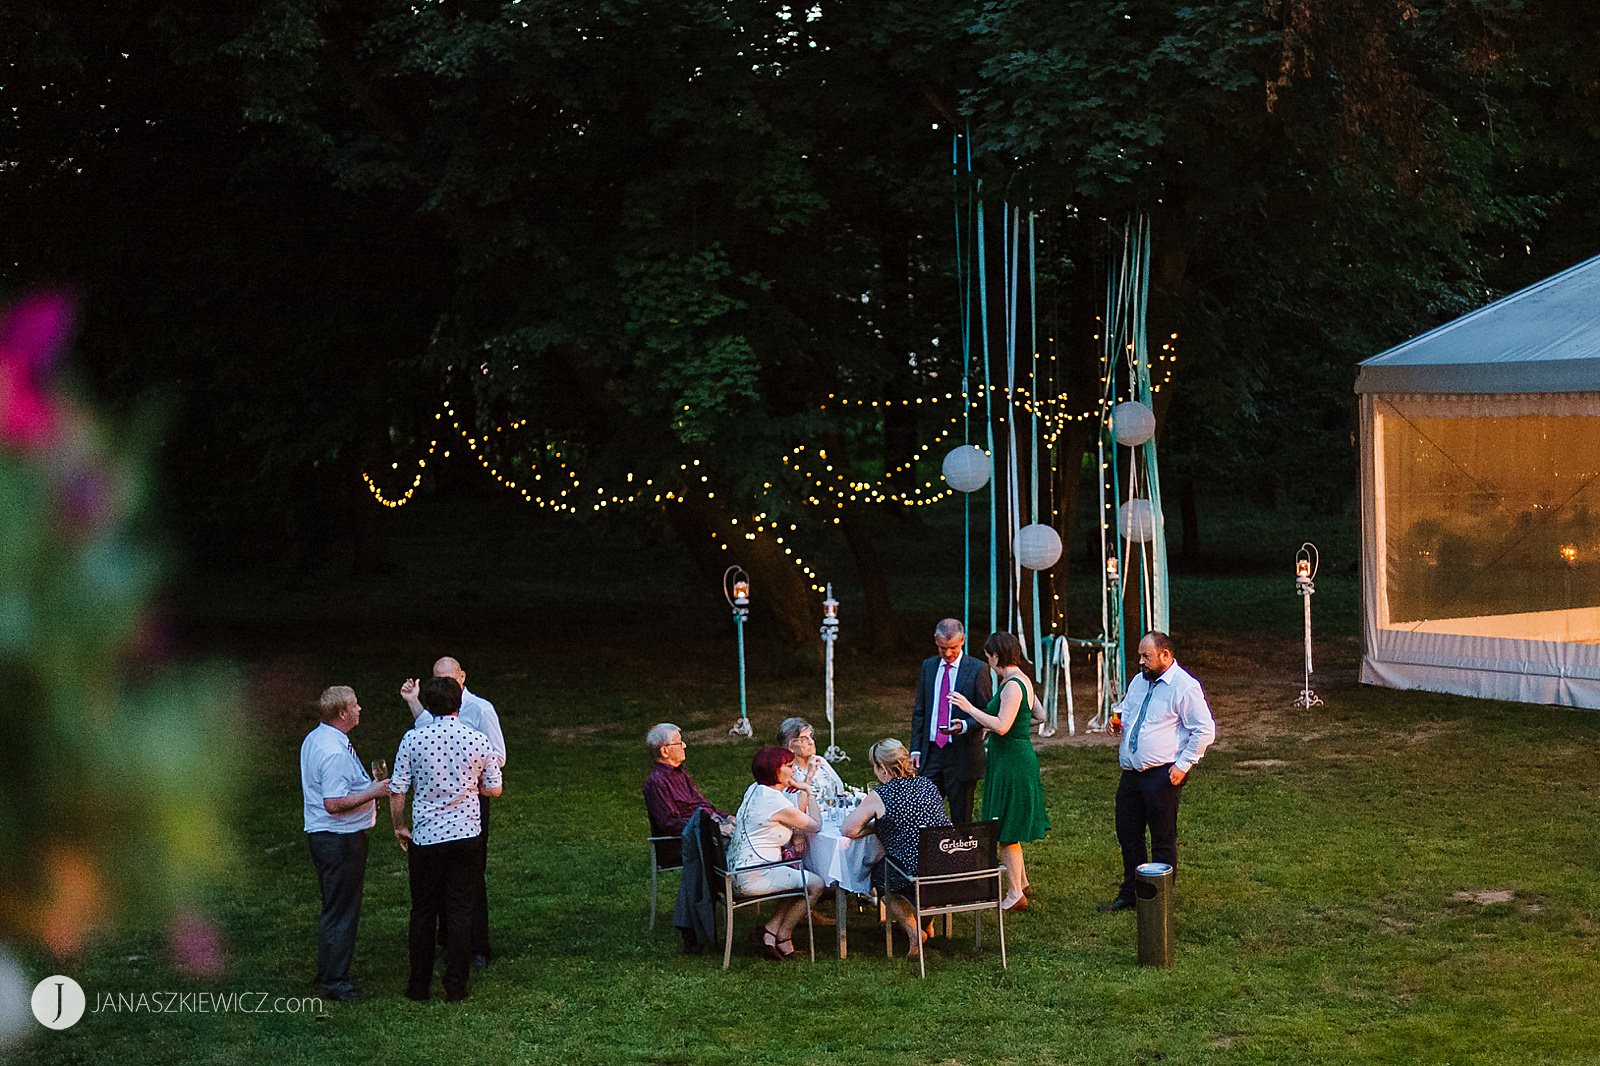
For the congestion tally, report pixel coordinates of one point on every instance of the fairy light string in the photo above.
(548, 481)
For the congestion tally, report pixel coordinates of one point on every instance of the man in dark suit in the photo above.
(946, 746)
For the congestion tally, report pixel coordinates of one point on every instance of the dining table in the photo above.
(845, 865)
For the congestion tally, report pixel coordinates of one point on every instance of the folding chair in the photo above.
(957, 871)
(666, 853)
(732, 901)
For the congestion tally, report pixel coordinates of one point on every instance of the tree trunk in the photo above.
(1191, 520)
(778, 589)
(883, 631)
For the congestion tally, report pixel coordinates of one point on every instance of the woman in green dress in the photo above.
(1013, 793)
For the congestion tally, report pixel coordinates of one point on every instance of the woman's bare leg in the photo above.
(1011, 857)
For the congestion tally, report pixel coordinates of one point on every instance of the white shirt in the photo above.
(476, 713)
(1177, 726)
(938, 686)
(756, 837)
(443, 763)
(330, 769)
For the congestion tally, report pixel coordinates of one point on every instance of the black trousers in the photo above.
(478, 935)
(1146, 799)
(956, 792)
(340, 860)
(443, 881)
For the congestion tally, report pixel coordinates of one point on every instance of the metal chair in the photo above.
(666, 853)
(717, 844)
(957, 871)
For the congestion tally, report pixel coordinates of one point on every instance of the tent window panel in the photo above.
(1491, 518)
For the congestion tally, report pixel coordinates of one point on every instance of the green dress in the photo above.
(1013, 794)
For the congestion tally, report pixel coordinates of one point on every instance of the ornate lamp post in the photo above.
(830, 633)
(736, 590)
(1305, 569)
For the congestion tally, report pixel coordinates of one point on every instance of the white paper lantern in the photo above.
(1133, 422)
(1037, 546)
(966, 468)
(1136, 520)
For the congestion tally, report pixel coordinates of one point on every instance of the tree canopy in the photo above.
(623, 238)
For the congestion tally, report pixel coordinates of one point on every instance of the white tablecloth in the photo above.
(840, 861)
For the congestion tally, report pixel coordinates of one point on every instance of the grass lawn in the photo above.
(1336, 903)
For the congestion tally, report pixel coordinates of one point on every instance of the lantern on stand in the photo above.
(1305, 569)
(830, 634)
(1108, 678)
(736, 590)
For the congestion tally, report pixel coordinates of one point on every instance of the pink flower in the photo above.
(32, 335)
(196, 946)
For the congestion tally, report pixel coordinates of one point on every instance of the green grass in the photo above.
(1318, 919)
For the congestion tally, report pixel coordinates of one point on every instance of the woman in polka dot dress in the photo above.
(898, 810)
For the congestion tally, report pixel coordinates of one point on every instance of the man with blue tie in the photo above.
(1167, 729)
(338, 799)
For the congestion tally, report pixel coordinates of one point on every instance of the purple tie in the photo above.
(943, 738)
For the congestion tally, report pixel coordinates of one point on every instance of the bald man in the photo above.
(476, 713)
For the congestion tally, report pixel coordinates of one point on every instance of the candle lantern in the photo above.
(1305, 569)
(830, 634)
(736, 590)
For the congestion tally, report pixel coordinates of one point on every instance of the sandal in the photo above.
(767, 941)
(777, 948)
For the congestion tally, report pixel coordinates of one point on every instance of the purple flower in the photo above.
(86, 500)
(196, 946)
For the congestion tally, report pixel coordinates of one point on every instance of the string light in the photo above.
(823, 489)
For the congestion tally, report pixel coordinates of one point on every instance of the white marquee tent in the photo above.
(1480, 501)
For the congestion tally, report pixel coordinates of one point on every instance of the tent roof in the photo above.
(1545, 338)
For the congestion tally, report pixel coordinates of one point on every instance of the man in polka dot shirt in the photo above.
(445, 765)
(480, 714)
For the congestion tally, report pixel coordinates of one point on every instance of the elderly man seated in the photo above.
(670, 794)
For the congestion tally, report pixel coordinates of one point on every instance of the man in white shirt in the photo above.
(476, 713)
(446, 766)
(339, 808)
(1166, 727)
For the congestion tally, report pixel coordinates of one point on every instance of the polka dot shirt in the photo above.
(442, 764)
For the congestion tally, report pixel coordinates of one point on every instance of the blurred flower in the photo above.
(32, 335)
(16, 1016)
(86, 501)
(196, 945)
(70, 906)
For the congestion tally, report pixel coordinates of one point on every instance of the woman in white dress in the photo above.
(768, 819)
(810, 768)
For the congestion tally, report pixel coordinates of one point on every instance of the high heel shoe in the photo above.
(768, 942)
